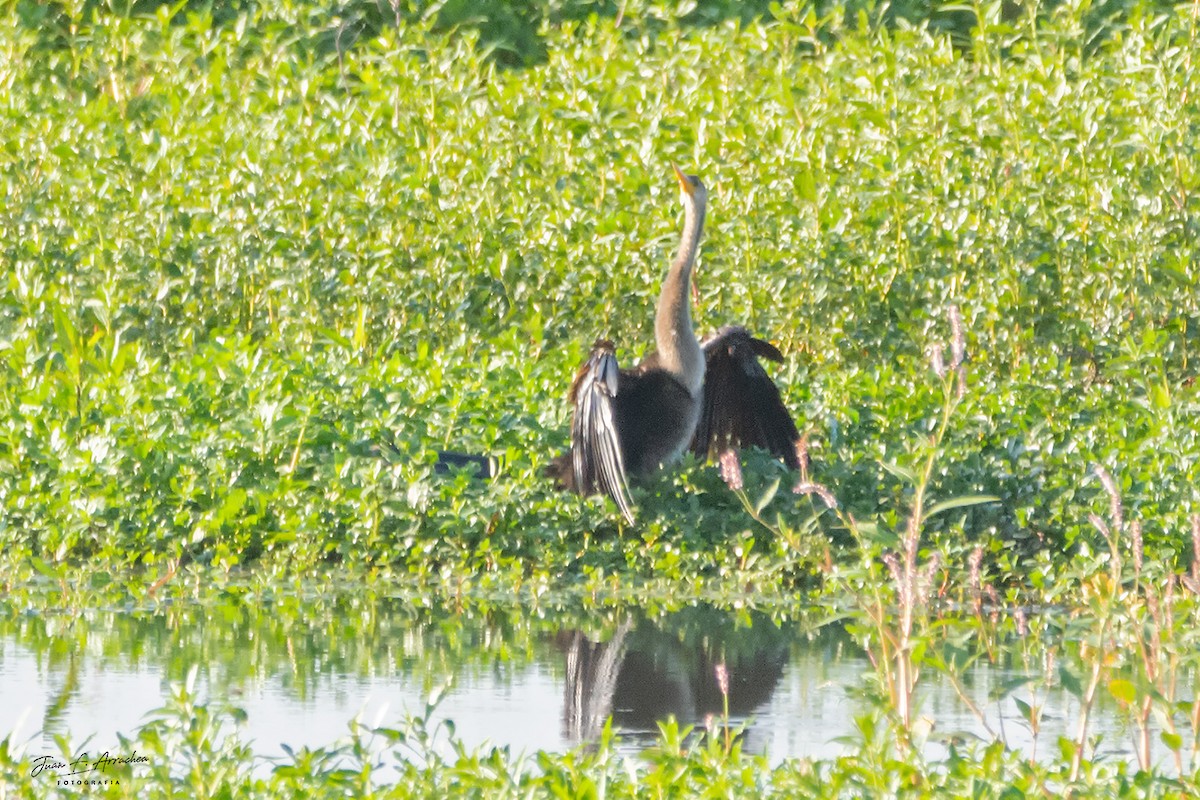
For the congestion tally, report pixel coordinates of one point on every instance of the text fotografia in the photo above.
(83, 764)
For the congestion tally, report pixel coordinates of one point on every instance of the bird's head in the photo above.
(691, 187)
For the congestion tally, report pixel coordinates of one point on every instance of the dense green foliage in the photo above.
(262, 263)
(234, 258)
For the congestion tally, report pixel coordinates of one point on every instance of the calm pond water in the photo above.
(301, 671)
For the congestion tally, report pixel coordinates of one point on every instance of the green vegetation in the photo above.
(262, 263)
(187, 733)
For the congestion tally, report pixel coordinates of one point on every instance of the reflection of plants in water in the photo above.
(1135, 635)
(299, 644)
(722, 674)
(892, 582)
(895, 604)
(1131, 634)
(194, 749)
(1133, 628)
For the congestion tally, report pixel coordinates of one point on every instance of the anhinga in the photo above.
(708, 398)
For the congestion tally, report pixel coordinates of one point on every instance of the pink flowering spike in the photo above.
(936, 362)
(805, 487)
(958, 339)
(722, 673)
(730, 468)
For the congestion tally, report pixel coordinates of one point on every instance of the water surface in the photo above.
(302, 671)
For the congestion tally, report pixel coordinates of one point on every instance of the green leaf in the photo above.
(64, 329)
(1009, 686)
(1161, 396)
(1026, 710)
(806, 184)
(50, 572)
(1123, 690)
(960, 502)
(903, 473)
(234, 501)
(1070, 681)
(767, 496)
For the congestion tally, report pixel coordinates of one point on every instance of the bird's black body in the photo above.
(651, 412)
(626, 433)
(654, 414)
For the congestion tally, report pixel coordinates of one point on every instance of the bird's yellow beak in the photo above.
(684, 183)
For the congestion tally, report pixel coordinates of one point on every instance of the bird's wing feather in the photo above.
(742, 406)
(597, 462)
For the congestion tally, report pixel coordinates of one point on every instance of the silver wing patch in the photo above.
(596, 456)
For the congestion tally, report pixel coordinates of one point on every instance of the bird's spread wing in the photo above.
(742, 406)
(597, 463)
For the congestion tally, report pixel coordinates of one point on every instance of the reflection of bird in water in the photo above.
(642, 677)
(710, 398)
(669, 679)
(55, 713)
(592, 670)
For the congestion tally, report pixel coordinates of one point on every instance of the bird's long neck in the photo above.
(678, 350)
